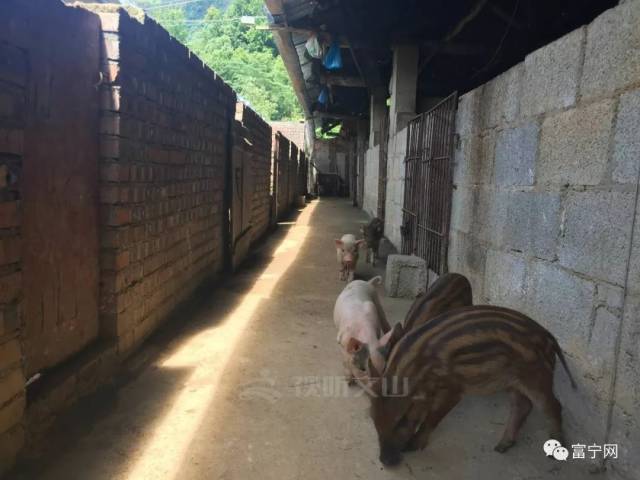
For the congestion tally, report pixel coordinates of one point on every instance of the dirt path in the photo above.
(250, 388)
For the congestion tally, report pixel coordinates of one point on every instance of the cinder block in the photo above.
(505, 280)
(531, 224)
(574, 145)
(552, 75)
(461, 208)
(515, 157)
(406, 276)
(597, 234)
(612, 56)
(473, 160)
(562, 302)
(626, 151)
(489, 213)
(500, 97)
(468, 114)
(626, 410)
(468, 256)
(634, 261)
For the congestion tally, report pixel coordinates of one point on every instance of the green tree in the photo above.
(245, 56)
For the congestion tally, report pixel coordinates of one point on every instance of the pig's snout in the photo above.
(390, 458)
(348, 260)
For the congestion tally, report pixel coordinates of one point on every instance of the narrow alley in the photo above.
(185, 189)
(249, 385)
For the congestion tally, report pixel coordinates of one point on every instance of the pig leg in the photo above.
(442, 402)
(350, 275)
(539, 388)
(520, 409)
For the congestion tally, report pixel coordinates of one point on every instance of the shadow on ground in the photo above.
(248, 385)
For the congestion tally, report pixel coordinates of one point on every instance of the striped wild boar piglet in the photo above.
(372, 233)
(362, 327)
(449, 291)
(347, 250)
(470, 350)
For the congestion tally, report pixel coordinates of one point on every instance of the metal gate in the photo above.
(429, 184)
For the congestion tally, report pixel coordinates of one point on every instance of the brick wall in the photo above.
(546, 200)
(293, 174)
(164, 126)
(294, 131)
(257, 134)
(281, 153)
(13, 83)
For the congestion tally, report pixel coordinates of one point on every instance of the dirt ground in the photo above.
(249, 386)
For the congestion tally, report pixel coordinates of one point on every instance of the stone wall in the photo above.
(163, 142)
(544, 209)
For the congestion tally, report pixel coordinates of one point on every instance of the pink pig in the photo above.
(347, 249)
(363, 329)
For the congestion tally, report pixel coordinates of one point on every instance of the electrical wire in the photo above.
(504, 37)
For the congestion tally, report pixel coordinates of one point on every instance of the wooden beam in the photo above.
(342, 81)
(336, 116)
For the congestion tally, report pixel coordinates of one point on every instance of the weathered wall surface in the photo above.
(371, 176)
(256, 140)
(163, 136)
(395, 187)
(13, 85)
(545, 214)
(282, 155)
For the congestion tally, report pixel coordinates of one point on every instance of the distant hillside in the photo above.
(193, 10)
(245, 56)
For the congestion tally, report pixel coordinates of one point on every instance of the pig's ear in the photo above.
(354, 345)
(389, 339)
(338, 243)
(361, 357)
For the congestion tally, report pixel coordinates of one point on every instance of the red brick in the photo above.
(10, 444)
(119, 216)
(11, 384)
(9, 215)
(10, 250)
(109, 146)
(115, 172)
(11, 414)
(10, 287)
(10, 354)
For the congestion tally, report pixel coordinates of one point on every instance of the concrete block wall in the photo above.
(371, 175)
(545, 214)
(395, 187)
(163, 137)
(256, 140)
(13, 85)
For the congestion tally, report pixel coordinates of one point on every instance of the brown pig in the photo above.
(449, 291)
(470, 350)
